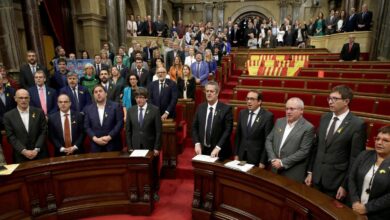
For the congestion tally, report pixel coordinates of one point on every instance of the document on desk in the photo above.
(9, 169)
(205, 158)
(235, 164)
(139, 153)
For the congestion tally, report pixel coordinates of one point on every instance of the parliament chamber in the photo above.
(113, 185)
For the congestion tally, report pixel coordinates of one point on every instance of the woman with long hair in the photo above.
(175, 71)
(186, 85)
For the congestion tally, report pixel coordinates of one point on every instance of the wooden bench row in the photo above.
(351, 65)
(341, 73)
(377, 88)
(368, 104)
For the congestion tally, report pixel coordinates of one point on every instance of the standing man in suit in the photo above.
(149, 29)
(200, 70)
(364, 19)
(99, 65)
(341, 137)
(120, 66)
(103, 122)
(330, 23)
(66, 128)
(78, 94)
(212, 125)
(350, 50)
(143, 124)
(26, 129)
(142, 73)
(254, 125)
(113, 92)
(351, 22)
(7, 101)
(28, 70)
(42, 96)
(163, 94)
(144, 129)
(174, 53)
(235, 36)
(289, 144)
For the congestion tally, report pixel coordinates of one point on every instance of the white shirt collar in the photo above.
(143, 107)
(63, 114)
(20, 111)
(213, 106)
(256, 111)
(342, 116)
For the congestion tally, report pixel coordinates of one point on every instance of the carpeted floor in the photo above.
(175, 194)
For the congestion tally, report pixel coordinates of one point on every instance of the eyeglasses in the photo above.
(334, 99)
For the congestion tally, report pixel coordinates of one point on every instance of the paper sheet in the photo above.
(10, 169)
(235, 165)
(139, 153)
(205, 158)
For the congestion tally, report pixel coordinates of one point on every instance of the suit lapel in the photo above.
(280, 129)
(31, 120)
(257, 121)
(107, 110)
(296, 128)
(18, 118)
(341, 128)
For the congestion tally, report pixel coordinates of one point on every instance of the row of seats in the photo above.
(378, 88)
(372, 74)
(351, 65)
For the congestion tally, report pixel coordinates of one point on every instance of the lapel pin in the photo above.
(73, 122)
(382, 171)
(7, 94)
(81, 92)
(279, 129)
(48, 93)
(147, 111)
(339, 130)
(33, 115)
(105, 115)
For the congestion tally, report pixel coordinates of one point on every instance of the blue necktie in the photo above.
(141, 117)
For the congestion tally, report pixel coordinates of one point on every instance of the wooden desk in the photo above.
(223, 193)
(78, 186)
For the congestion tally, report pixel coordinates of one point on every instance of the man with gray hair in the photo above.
(289, 143)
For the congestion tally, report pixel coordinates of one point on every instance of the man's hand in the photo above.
(198, 149)
(215, 152)
(164, 116)
(106, 138)
(99, 141)
(197, 81)
(262, 166)
(341, 193)
(236, 158)
(156, 153)
(309, 179)
(359, 208)
(276, 163)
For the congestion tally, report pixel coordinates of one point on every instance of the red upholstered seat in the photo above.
(312, 84)
(312, 117)
(250, 82)
(300, 84)
(371, 88)
(383, 107)
(362, 104)
(320, 100)
(274, 96)
(271, 82)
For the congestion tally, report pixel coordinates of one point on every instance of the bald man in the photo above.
(26, 129)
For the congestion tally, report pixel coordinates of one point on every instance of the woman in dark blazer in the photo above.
(369, 179)
(186, 85)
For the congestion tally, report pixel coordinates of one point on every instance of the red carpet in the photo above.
(175, 194)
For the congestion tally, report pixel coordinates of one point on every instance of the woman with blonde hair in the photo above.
(89, 79)
(176, 70)
(186, 85)
(105, 59)
(209, 59)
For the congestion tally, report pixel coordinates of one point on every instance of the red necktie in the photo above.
(67, 139)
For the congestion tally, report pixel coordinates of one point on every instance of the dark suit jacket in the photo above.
(191, 85)
(51, 99)
(112, 125)
(59, 80)
(351, 23)
(253, 143)
(149, 135)
(347, 55)
(20, 139)
(83, 96)
(103, 66)
(56, 133)
(124, 71)
(295, 150)
(377, 205)
(235, 36)
(166, 101)
(10, 104)
(331, 163)
(145, 78)
(26, 78)
(113, 92)
(366, 20)
(220, 131)
(146, 25)
(171, 57)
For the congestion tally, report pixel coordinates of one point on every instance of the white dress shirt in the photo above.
(255, 113)
(25, 117)
(338, 122)
(289, 127)
(101, 114)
